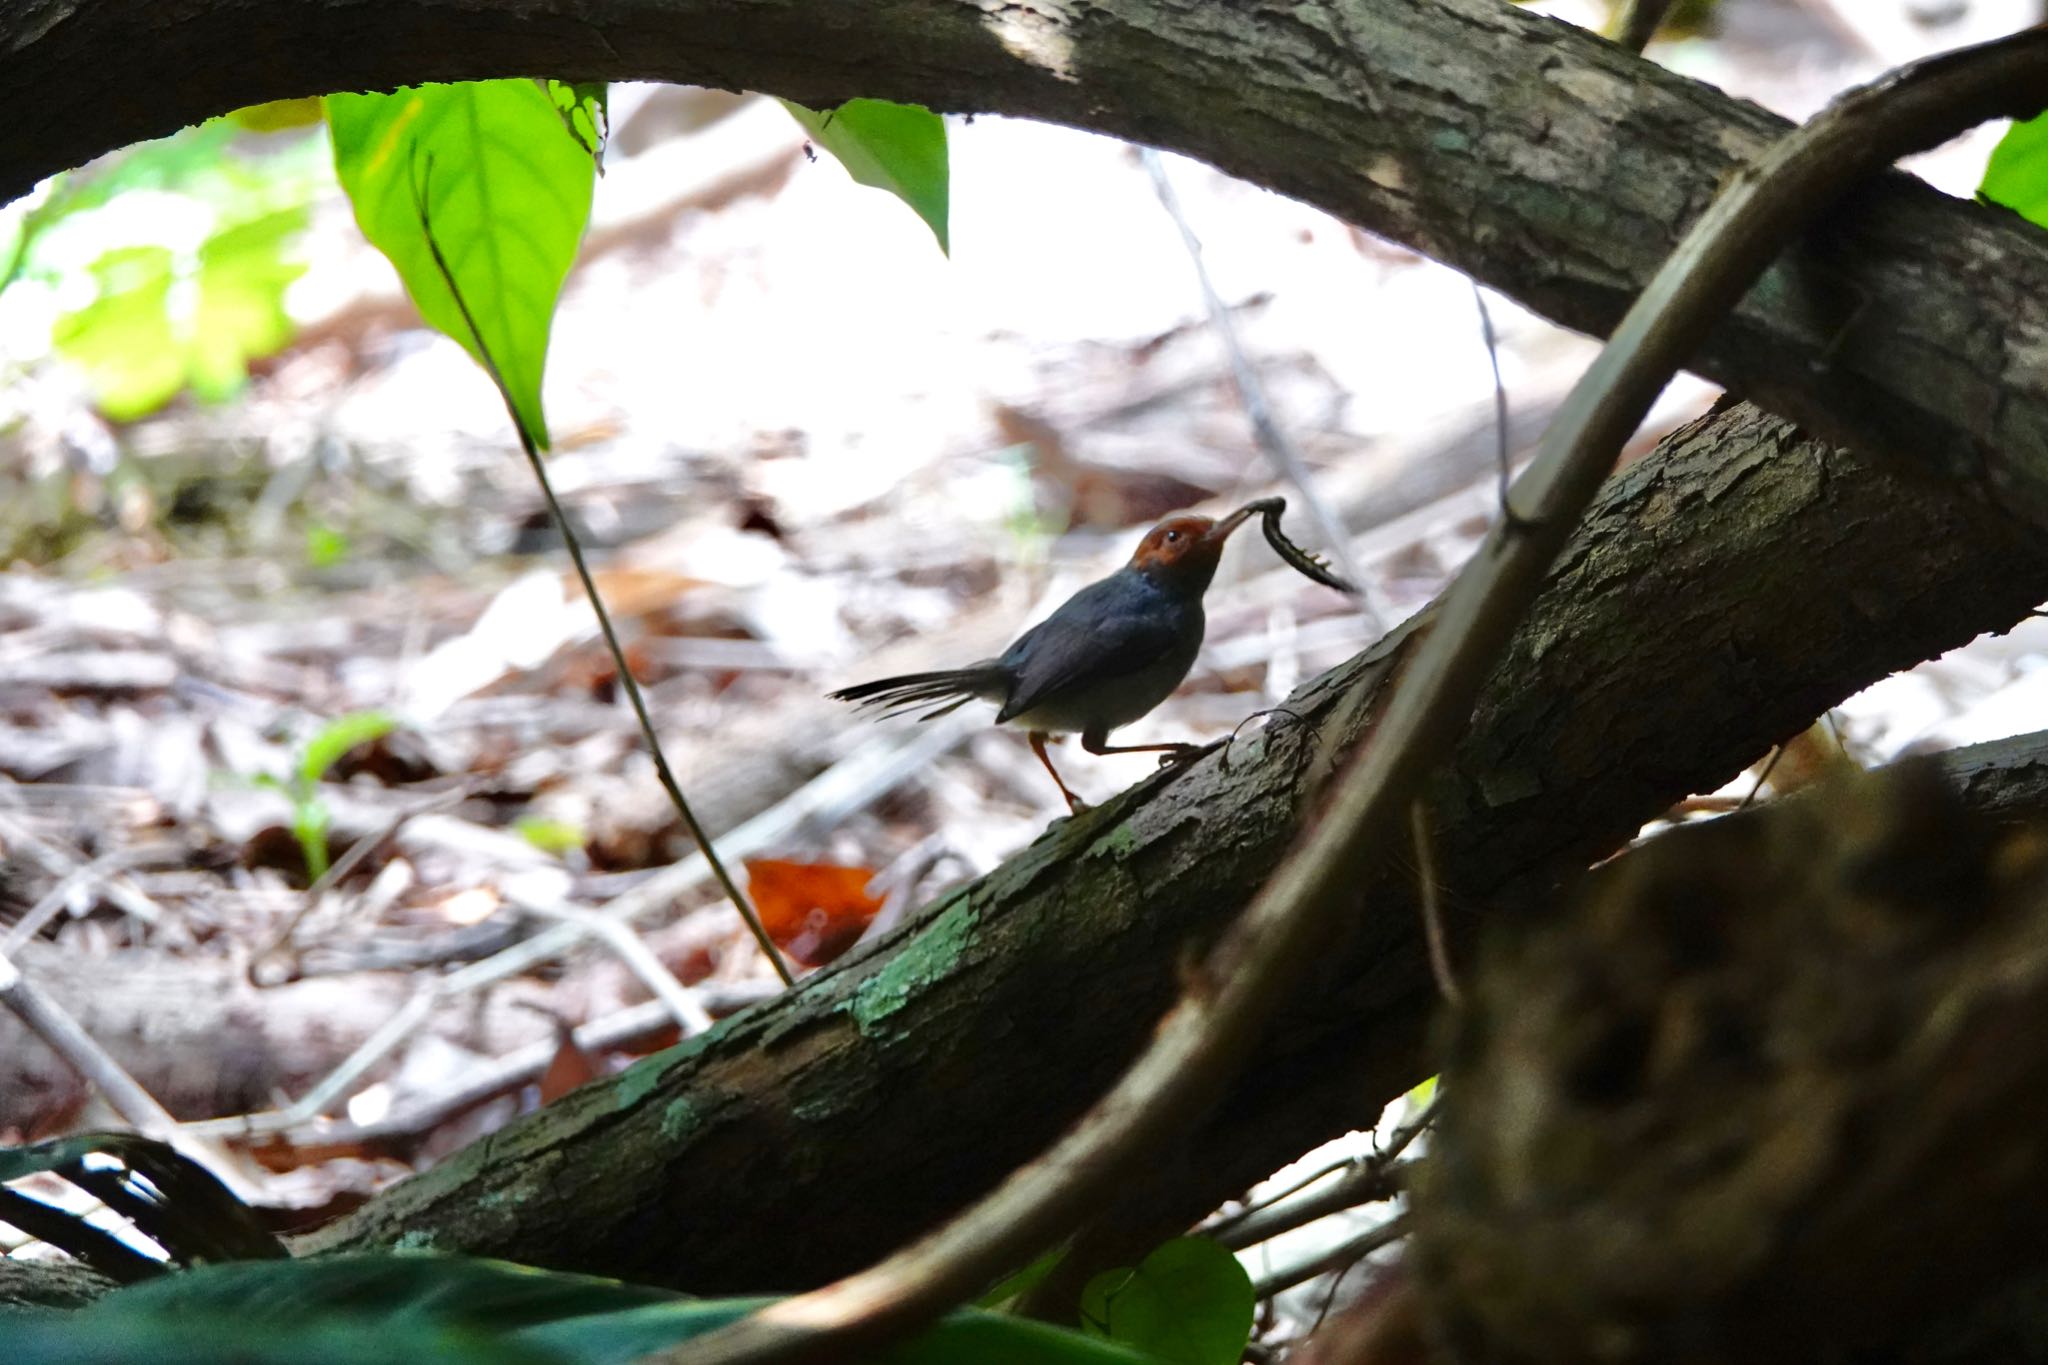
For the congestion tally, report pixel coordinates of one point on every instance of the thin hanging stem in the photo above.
(604, 619)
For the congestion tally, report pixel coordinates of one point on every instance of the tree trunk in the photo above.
(1532, 154)
(1723, 592)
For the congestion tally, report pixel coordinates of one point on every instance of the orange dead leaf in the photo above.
(813, 911)
(570, 1067)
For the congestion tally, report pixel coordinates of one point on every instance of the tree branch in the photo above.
(1541, 160)
(1228, 1003)
(1725, 590)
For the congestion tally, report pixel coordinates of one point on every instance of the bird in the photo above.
(1105, 657)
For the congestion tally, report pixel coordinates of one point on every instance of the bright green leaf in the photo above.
(549, 836)
(337, 737)
(243, 274)
(2018, 174)
(1189, 1302)
(123, 338)
(325, 546)
(900, 148)
(310, 822)
(583, 107)
(506, 196)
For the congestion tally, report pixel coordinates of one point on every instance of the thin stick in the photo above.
(604, 618)
(1430, 898)
(1500, 400)
(1340, 1257)
(63, 1035)
(1228, 1002)
(1271, 440)
(1379, 1176)
(1638, 22)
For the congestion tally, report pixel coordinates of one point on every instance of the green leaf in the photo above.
(387, 1307)
(123, 338)
(325, 546)
(583, 107)
(310, 822)
(506, 197)
(337, 737)
(1013, 1287)
(900, 148)
(549, 836)
(243, 274)
(1189, 1302)
(137, 356)
(2017, 176)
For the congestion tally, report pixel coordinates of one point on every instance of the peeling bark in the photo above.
(1542, 160)
(1724, 591)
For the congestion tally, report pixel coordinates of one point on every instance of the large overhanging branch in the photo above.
(1543, 160)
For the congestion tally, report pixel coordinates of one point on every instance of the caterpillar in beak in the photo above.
(1304, 562)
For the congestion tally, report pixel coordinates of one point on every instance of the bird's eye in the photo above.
(1172, 536)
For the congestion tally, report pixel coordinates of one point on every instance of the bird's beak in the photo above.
(1220, 532)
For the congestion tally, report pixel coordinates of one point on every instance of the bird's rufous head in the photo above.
(1183, 550)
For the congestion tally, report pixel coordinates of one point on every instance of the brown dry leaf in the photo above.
(813, 911)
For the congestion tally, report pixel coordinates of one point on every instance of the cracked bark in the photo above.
(1541, 159)
(1724, 591)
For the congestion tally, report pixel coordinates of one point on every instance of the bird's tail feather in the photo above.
(953, 688)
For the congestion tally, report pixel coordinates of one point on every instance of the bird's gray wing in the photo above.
(1105, 631)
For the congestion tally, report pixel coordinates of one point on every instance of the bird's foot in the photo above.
(1185, 753)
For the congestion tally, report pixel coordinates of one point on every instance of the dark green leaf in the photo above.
(1189, 1302)
(900, 148)
(409, 1307)
(391, 1287)
(2018, 174)
(1016, 1286)
(93, 1336)
(964, 1337)
(583, 109)
(506, 197)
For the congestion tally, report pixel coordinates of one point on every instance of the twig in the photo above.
(50, 1022)
(1214, 1027)
(1379, 1176)
(1272, 441)
(1638, 22)
(352, 856)
(62, 864)
(1340, 1257)
(621, 1028)
(847, 786)
(690, 1015)
(627, 682)
(1429, 897)
(1502, 454)
(98, 874)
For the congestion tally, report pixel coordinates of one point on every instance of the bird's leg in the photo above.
(1097, 742)
(1075, 805)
